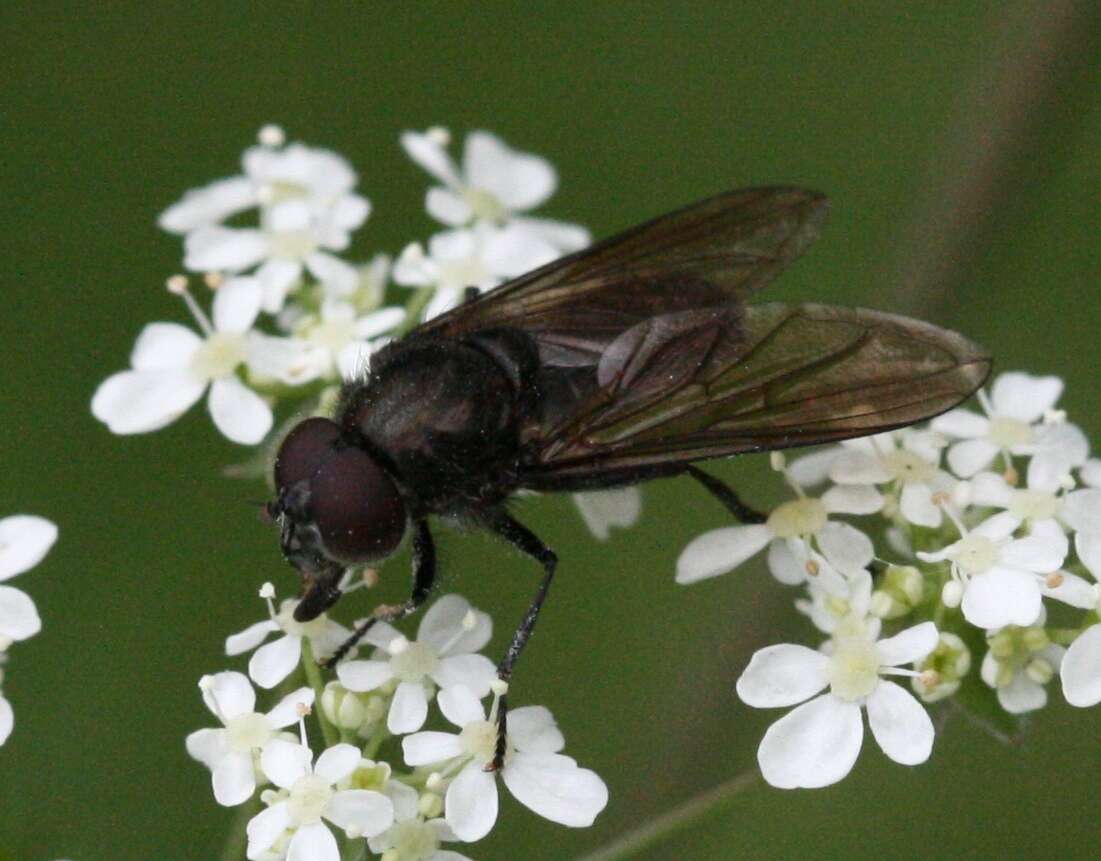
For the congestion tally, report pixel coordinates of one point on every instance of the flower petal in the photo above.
(1043, 551)
(337, 762)
(25, 539)
(908, 646)
(1088, 545)
(852, 499)
(266, 827)
(425, 150)
(532, 730)
(446, 206)
(1000, 597)
(7, 720)
(899, 723)
(287, 710)
(18, 616)
(445, 626)
(470, 806)
(142, 401)
(787, 560)
(363, 676)
(369, 813)
(250, 638)
(408, 710)
(999, 527)
(917, 506)
(1072, 590)
(811, 469)
(813, 746)
(228, 694)
(603, 509)
(272, 663)
(238, 412)
(230, 249)
(961, 423)
(207, 746)
(476, 672)
(858, 467)
(783, 675)
(1022, 695)
(554, 787)
(164, 347)
(208, 205)
(428, 748)
(1081, 669)
(236, 305)
(719, 551)
(460, 705)
(563, 236)
(989, 488)
(519, 180)
(285, 761)
(313, 842)
(1023, 396)
(845, 547)
(970, 456)
(1058, 449)
(234, 778)
(1082, 510)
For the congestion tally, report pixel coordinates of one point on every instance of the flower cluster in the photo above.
(446, 788)
(24, 541)
(989, 547)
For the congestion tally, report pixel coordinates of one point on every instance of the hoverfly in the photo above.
(627, 361)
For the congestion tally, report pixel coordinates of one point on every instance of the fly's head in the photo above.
(335, 507)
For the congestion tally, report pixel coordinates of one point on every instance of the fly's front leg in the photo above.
(523, 539)
(424, 576)
(742, 512)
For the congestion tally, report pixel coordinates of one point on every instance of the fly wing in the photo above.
(709, 383)
(715, 252)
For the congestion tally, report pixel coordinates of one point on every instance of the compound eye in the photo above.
(357, 508)
(304, 450)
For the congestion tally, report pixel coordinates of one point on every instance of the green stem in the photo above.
(313, 676)
(679, 818)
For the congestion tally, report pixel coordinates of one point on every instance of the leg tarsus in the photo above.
(726, 496)
(424, 576)
(523, 539)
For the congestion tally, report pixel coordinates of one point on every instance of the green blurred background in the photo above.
(959, 142)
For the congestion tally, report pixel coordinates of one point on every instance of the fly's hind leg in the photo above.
(726, 496)
(424, 576)
(526, 541)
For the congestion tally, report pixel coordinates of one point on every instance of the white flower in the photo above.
(1014, 424)
(795, 533)
(229, 752)
(25, 539)
(1001, 577)
(306, 206)
(1018, 664)
(172, 367)
(276, 660)
(1081, 669)
(310, 796)
(817, 743)
(343, 340)
(480, 257)
(413, 837)
(7, 716)
(442, 655)
(540, 778)
(603, 510)
(1090, 472)
(907, 461)
(829, 608)
(495, 183)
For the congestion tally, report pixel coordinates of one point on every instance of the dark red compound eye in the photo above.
(304, 450)
(357, 508)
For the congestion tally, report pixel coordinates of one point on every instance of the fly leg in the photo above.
(524, 540)
(726, 496)
(424, 576)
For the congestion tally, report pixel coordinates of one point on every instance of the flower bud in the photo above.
(942, 670)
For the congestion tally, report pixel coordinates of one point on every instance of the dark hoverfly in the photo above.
(624, 362)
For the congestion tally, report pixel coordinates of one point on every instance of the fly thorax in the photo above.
(219, 355)
(413, 662)
(309, 797)
(1008, 433)
(1034, 504)
(248, 731)
(907, 468)
(975, 554)
(798, 517)
(854, 668)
